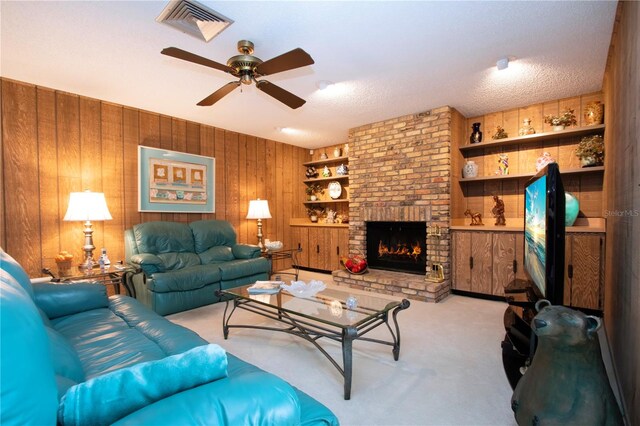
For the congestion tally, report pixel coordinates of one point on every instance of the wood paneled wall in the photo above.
(622, 270)
(54, 143)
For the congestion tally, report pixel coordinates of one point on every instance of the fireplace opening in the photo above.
(397, 246)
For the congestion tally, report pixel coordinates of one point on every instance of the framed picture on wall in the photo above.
(175, 182)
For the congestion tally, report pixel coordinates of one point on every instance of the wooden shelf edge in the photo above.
(528, 175)
(537, 137)
(582, 224)
(324, 179)
(306, 222)
(327, 161)
(325, 201)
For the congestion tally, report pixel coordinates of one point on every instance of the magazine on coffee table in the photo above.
(265, 287)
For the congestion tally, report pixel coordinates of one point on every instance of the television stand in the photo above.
(519, 341)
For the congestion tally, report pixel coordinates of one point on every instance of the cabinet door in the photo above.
(585, 270)
(481, 270)
(300, 239)
(339, 247)
(504, 256)
(461, 273)
(520, 272)
(318, 248)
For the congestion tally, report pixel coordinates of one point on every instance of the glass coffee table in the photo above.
(331, 313)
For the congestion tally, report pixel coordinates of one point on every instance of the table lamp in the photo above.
(259, 209)
(85, 207)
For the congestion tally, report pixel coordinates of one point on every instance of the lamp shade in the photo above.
(87, 205)
(258, 209)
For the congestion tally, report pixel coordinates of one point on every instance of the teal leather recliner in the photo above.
(72, 356)
(184, 264)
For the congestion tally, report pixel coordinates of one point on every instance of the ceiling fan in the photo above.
(247, 68)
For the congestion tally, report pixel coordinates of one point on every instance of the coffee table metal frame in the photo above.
(312, 329)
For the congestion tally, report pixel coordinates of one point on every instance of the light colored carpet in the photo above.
(449, 371)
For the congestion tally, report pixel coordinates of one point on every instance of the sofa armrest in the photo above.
(149, 263)
(257, 398)
(245, 251)
(62, 299)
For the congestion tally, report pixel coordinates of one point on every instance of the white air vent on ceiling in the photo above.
(192, 18)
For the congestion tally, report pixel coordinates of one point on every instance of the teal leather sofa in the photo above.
(72, 356)
(184, 264)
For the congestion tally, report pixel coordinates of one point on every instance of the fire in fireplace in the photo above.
(397, 246)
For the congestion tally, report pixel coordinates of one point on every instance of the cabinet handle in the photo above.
(570, 271)
(338, 250)
(471, 262)
(515, 266)
(318, 248)
(299, 247)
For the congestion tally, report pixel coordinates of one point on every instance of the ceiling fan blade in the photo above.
(287, 61)
(219, 94)
(287, 98)
(188, 56)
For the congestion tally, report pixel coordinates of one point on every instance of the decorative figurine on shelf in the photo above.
(527, 128)
(476, 135)
(500, 133)
(326, 172)
(476, 218)
(503, 164)
(324, 156)
(311, 172)
(498, 211)
(331, 216)
(345, 150)
(342, 170)
(543, 160)
(337, 152)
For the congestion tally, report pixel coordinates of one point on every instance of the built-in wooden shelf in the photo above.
(306, 222)
(527, 175)
(326, 201)
(324, 179)
(327, 161)
(582, 224)
(537, 137)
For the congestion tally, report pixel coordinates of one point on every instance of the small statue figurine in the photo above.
(503, 164)
(498, 211)
(527, 128)
(500, 133)
(326, 172)
(476, 218)
(311, 172)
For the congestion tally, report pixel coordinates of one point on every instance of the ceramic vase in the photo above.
(470, 170)
(342, 170)
(527, 128)
(572, 207)
(593, 113)
(336, 152)
(476, 134)
(558, 128)
(589, 161)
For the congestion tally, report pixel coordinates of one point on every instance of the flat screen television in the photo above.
(544, 233)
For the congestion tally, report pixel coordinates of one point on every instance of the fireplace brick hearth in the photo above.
(399, 170)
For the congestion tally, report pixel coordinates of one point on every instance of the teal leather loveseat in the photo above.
(72, 356)
(184, 264)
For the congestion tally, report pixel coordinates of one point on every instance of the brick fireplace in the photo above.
(399, 170)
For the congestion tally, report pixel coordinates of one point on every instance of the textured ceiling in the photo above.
(386, 58)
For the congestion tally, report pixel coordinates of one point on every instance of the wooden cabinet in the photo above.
(584, 270)
(484, 262)
(321, 246)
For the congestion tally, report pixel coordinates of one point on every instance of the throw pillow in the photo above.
(107, 398)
